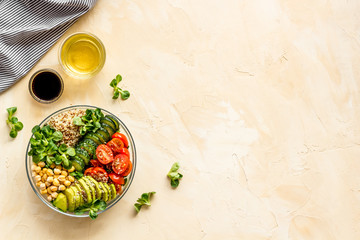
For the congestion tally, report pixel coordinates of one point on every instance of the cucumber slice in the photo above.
(91, 142)
(108, 128)
(109, 122)
(78, 163)
(115, 121)
(87, 147)
(81, 153)
(104, 134)
(93, 137)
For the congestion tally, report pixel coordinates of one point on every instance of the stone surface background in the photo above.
(258, 100)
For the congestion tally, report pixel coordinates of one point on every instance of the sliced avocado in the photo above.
(92, 189)
(105, 196)
(83, 154)
(108, 128)
(109, 191)
(114, 120)
(61, 202)
(97, 188)
(87, 190)
(93, 137)
(76, 196)
(81, 191)
(113, 191)
(70, 195)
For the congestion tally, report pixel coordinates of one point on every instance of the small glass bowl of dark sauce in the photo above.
(46, 85)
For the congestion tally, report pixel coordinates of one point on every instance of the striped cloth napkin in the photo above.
(28, 28)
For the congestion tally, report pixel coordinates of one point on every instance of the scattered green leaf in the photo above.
(118, 91)
(93, 208)
(77, 174)
(143, 200)
(174, 175)
(90, 122)
(13, 122)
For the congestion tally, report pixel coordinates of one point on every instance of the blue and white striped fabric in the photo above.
(28, 28)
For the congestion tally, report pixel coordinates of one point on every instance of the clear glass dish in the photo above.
(130, 177)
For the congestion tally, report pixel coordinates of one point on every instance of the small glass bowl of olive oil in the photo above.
(82, 55)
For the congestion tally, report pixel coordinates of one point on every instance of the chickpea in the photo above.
(64, 173)
(33, 173)
(43, 191)
(41, 174)
(44, 170)
(53, 188)
(71, 178)
(41, 164)
(52, 165)
(39, 183)
(42, 186)
(54, 195)
(50, 172)
(61, 178)
(56, 182)
(37, 178)
(49, 198)
(50, 179)
(67, 183)
(49, 190)
(48, 184)
(57, 171)
(33, 167)
(37, 169)
(62, 187)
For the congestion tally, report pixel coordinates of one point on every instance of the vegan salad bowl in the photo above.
(80, 160)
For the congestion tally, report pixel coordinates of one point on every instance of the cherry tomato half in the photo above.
(120, 163)
(122, 137)
(125, 151)
(128, 170)
(116, 178)
(88, 171)
(118, 187)
(96, 163)
(115, 145)
(104, 154)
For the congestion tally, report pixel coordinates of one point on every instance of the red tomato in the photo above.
(115, 145)
(120, 163)
(100, 175)
(122, 137)
(118, 187)
(128, 170)
(104, 154)
(89, 171)
(96, 163)
(116, 178)
(125, 151)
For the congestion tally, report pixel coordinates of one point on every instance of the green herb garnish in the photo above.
(174, 175)
(143, 200)
(90, 122)
(77, 174)
(44, 147)
(118, 91)
(13, 122)
(98, 205)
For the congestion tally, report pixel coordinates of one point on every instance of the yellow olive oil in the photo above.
(83, 55)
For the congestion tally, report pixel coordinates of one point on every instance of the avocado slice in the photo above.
(70, 195)
(87, 190)
(105, 196)
(76, 196)
(61, 202)
(113, 191)
(82, 202)
(92, 189)
(109, 191)
(97, 188)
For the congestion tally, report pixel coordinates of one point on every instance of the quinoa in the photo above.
(64, 123)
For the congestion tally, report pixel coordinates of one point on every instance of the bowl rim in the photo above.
(128, 183)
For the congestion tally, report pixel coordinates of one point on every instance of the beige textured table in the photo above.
(258, 100)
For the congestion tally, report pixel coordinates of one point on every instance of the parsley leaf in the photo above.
(143, 200)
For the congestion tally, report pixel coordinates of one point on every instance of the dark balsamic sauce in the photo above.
(46, 86)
